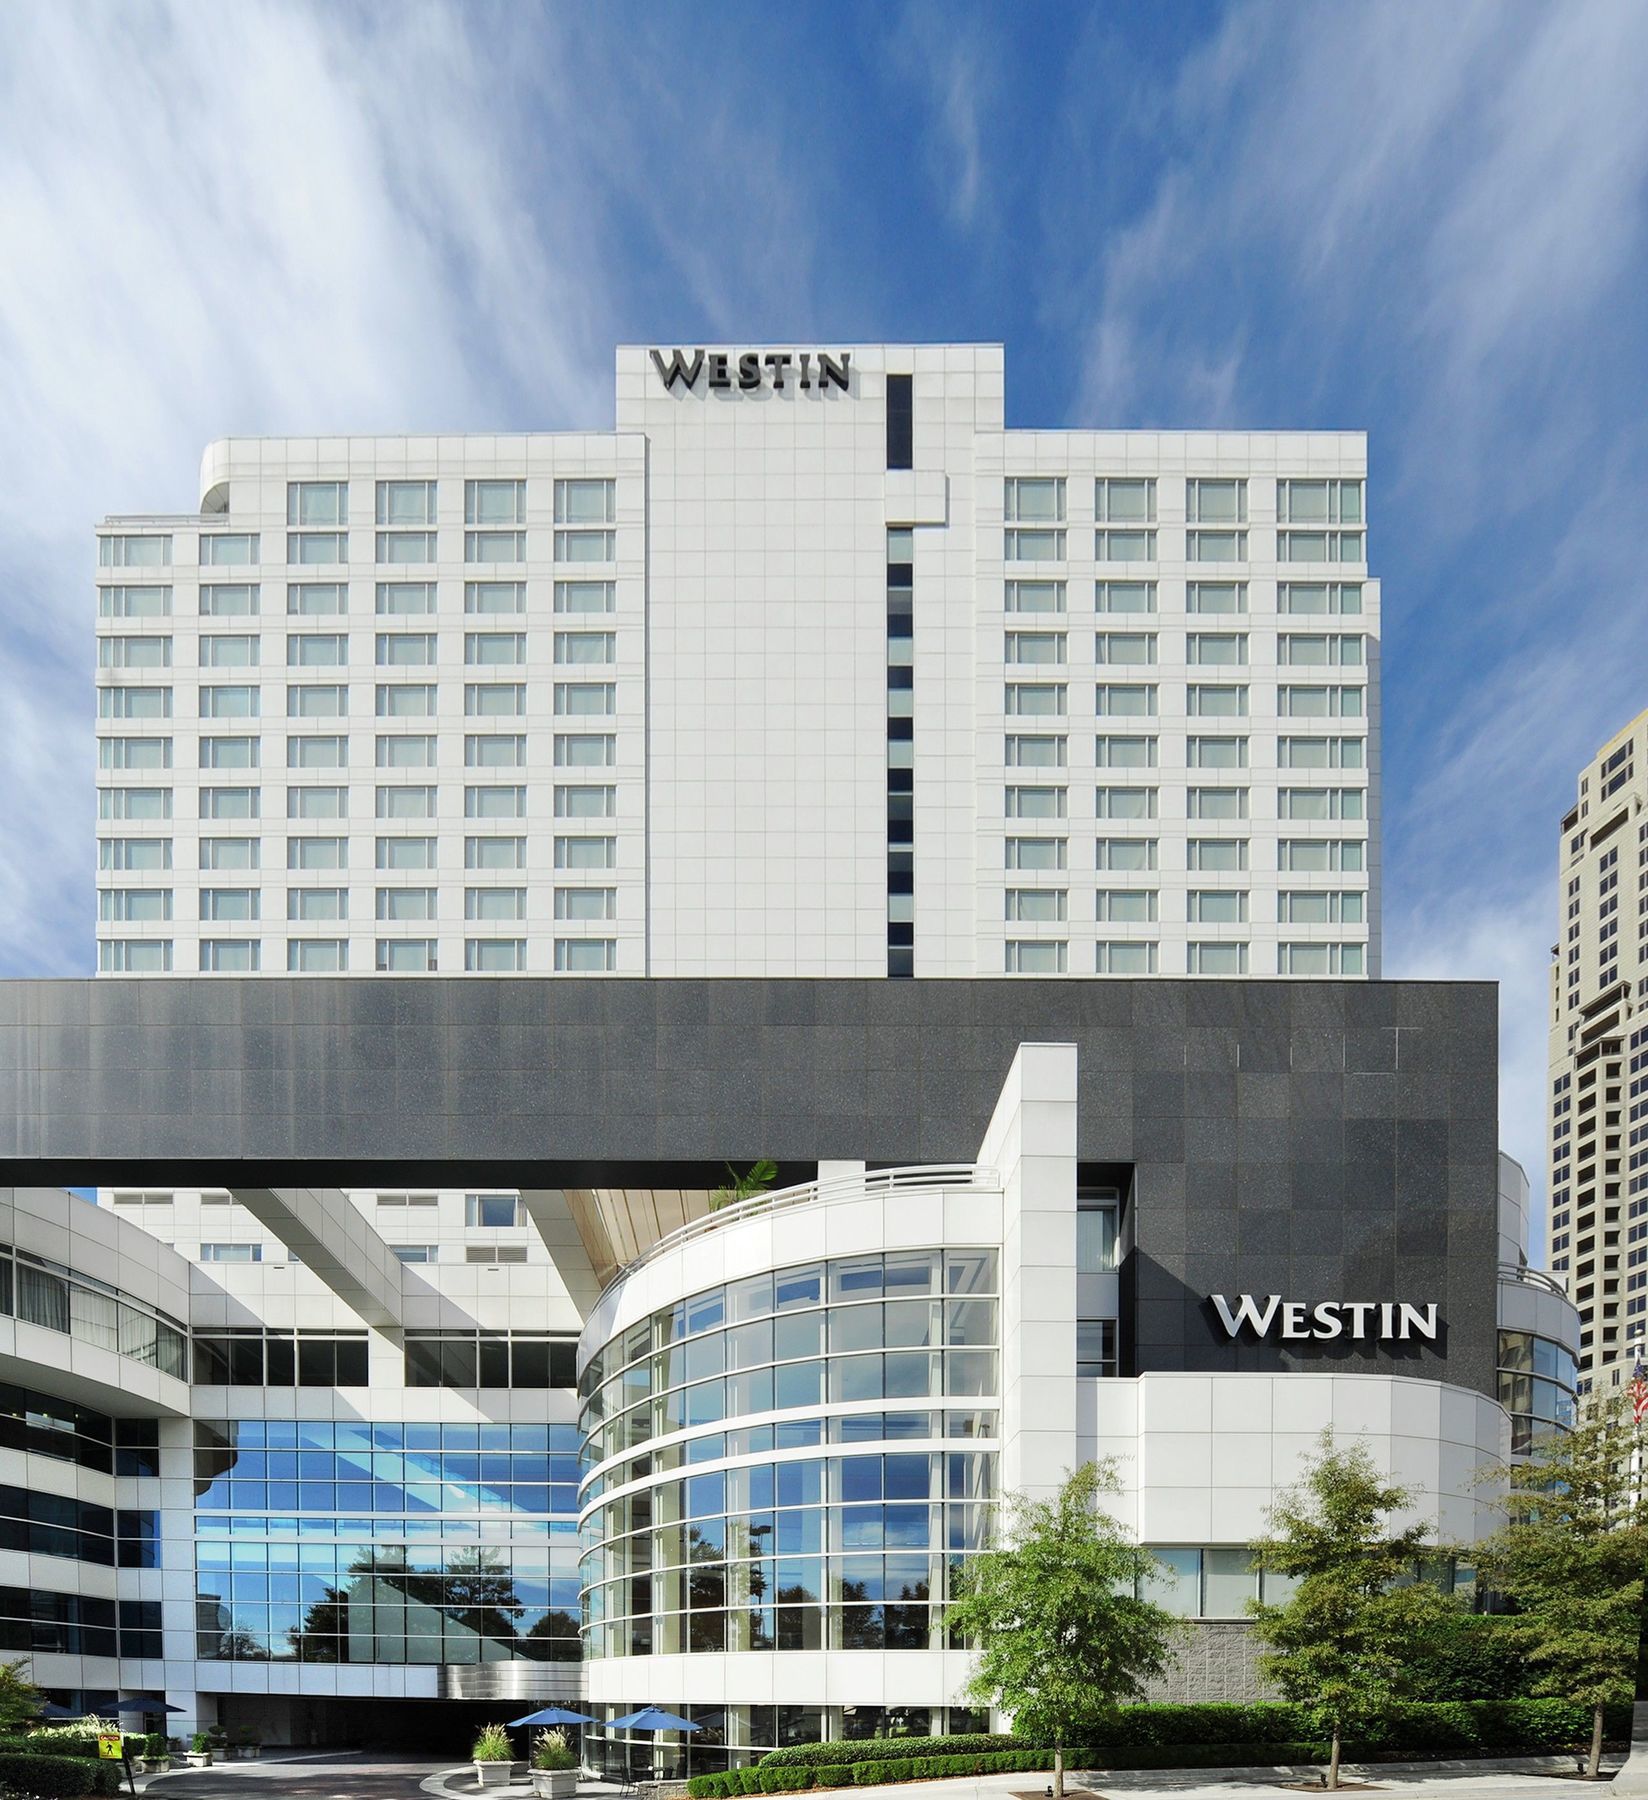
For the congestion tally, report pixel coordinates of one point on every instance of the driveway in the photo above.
(330, 1775)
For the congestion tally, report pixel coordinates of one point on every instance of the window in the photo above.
(1035, 597)
(1319, 502)
(586, 802)
(901, 423)
(1125, 500)
(494, 956)
(1125, 752)
(415, 1253)
(135, 855)
(134, 552)
(495, 700)
(134, 703)
(578, 597)
(589, 501)
(317, 906)
(1332, 598)
(1322, 908)
(586, 853)
(1035, 700)
(230, 905)
(1119, 546)
(317, 956)
(1321, 856)
(406, 956)
(229, 752)
(134, 653)
(219, 701)
(584, 751)
(1216, 502)
(494, 502)
(1319, 702)
(1319, 546)
(406, 503)
(1321, 803)
(230, 803)
(1124, 802)
(1216, 803)
(1216, 855)
(410, 751)
(406, 547)
(1020, 752)
(316, 549)
(327, 701)
(1037, 957)
(316, 599)
(1124, 596)
(1125, 906)
(495, 905)
(1136, 647)
(233, 549)
(1035, 803)
(125, 956)
(1216, 959)
(317, 752)
(1216, 597)
(403, 853)
(495, 853)
(406, 905)
(1035, 647)
(309, 853)
(404, 700)
(1037, 853)
(405, 649)
(231, 1253)
(410, 802)
(1215, 649)
(1217, 906)
(1033, 544)
(1034, 500)
(494, 802)
(1037, 906)
(585, 546)
(586, 903)
(586, 956)
(138, 752)
(497, 751)
(1216, 752)
(230, 956)
(317, 503)
(1202, 702)
(1321, 959)
(134, 803)
(502, 649)
(1125, 959)
(134, 906)
(317, 802)
(405, 599)
(223, 652)
(1215, 546)
(238, 600)
(1126, 856)
(586, 699)
(1322, 753)
(1114, 702)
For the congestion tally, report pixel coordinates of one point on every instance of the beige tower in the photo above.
(1598, 1055)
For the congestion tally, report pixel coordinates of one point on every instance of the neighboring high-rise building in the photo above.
(1598, 1051)
(810, 667)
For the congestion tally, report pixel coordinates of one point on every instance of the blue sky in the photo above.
(1427, 222)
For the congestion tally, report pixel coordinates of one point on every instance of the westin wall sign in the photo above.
(751, 369)
(1384, 1321)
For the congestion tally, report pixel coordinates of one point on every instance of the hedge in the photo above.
(1165, 1737)
(49, 1777)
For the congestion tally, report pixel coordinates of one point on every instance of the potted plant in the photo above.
(493, 1757)
(157, 1753)
(554, 1768)
(247, 1743)
(199, 1753)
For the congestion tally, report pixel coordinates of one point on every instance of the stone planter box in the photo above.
(498, 1774)
(197, 1759)
(554, 1784)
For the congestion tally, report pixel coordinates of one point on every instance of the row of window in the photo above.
(405, 700)
(330, 649)
(1140, 855)
(1305, 599)
(411, 800)
(42, 1425)
(488, 547)
(44, 1293)
(58, 1525)
(1204, 648)
(1134, 544)
(1208, 500)
(1042, 956)
(1141, 700)
(38, 1620)
(1203, 906)
(359, 1435)
(330, 599)
(728, 1735)
(330, 956)
(393, 855)
(402, 750)
(311, 906)
(1217, 803)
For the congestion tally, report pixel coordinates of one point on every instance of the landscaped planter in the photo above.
(494, 1774)
(554, 1784)
(197, 1759)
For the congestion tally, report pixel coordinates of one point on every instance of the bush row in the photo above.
(56, 1777)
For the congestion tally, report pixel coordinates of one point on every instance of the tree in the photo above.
(1351, 1639)
(753, 1182)
(20, 1699)
(1570, 1558)
(1054, 1612)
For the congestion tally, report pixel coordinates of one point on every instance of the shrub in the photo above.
(51, 1777)
(200, 1742)
(550, 1751)
(492, 1745)
(157, 1744)
(879, 1749)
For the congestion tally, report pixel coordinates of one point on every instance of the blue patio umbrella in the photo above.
(51, 1711)
(554, 1715)
(145, 1703)
(654, 1718)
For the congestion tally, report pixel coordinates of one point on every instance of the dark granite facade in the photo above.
(1321, 1140)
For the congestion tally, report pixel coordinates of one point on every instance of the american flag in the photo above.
(1638, 1390)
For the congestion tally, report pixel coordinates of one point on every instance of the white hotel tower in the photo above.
(809, 668)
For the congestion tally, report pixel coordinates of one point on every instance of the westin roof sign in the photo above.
(752, 369)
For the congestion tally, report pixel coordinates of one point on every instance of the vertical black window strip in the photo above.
(901, 422)
(901, 939)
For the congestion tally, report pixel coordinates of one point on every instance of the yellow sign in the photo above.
(108, 1746)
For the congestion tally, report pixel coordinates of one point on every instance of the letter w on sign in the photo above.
(1247, 1312)
(679, 369)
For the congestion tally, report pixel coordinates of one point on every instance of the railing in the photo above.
(923, 1178)
(1533, 1277)
(146, 521)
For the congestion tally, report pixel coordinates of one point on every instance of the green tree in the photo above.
(1053, 1610)
(755, 1180)
(1570, 1558)
(1351, 1638)
(20, 1699)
